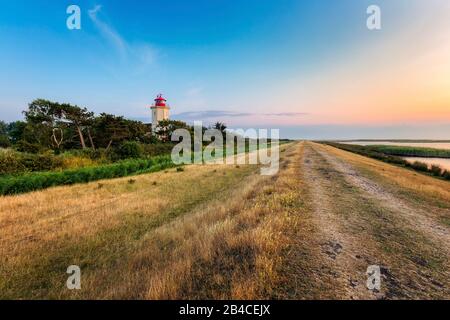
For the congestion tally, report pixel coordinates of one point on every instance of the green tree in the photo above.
(51, 120)
(16, 131)
(110, 130)
(44, 112)
(4, 138)
(42, 117)
(80, 118)
(165, 128)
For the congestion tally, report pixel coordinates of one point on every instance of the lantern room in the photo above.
(160, 101)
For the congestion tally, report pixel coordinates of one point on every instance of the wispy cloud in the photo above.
(137, 56)
(217, 114)
(286, 114)
(107, 31)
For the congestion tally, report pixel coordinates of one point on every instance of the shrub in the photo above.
(419, 166)
(13, 162)
(41, 162)
(4, 142)
(129, 150)
(157, 149)
(10, 162)
(436, 170)
(24, 146)
(446, 174)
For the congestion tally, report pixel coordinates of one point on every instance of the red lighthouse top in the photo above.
(160, 101)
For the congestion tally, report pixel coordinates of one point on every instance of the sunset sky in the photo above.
(310, 68)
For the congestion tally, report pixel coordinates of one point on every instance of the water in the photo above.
(435, 145)
(443, 163)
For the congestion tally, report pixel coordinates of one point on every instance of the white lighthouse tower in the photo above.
(160, 111)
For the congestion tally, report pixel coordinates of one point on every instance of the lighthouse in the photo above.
(160, 111)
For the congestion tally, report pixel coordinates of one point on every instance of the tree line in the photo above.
(62, 126)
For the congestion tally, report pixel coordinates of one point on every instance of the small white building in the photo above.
(160, 111)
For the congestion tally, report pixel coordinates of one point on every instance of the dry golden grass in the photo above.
(175, 239)
(51, 224)
(225, 251)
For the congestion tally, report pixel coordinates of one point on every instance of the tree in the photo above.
(166, 128)
(42, 117)
(110, 130)
(80, 118)
(50, 115)
(4, 138)
(139, 131)
(44, 112)
(3, 128)
(16, 131)
(221, 127)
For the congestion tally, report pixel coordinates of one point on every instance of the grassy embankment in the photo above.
(41, 180)
(32, 181)
(158, 237)
(391, 154)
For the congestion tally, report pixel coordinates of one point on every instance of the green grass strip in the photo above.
(10, 185)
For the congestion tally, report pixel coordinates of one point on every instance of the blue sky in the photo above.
(250, 63)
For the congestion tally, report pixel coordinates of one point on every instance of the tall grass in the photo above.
(41, 180)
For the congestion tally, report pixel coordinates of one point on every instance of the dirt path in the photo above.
(360, 223)
(340, 250)
(417, 218)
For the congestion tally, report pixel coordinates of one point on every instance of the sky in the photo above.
(310, 68)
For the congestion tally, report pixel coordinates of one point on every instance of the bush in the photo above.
(4, 142)
(129, 150)
(446, 174)
(13, 162)
(41, 162)
(24, 146)
(10, 162)
(157, 149)
(419, 166)
(436, 170)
